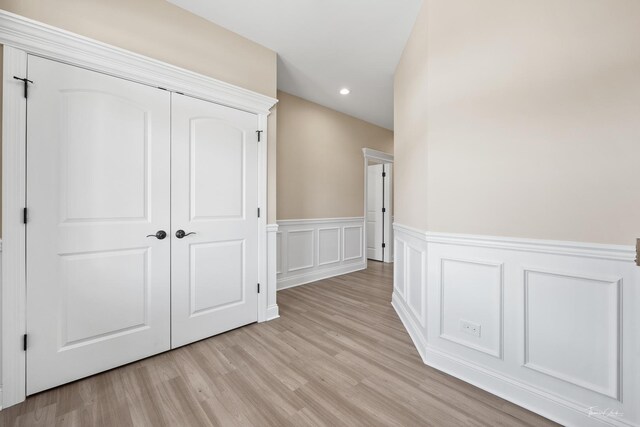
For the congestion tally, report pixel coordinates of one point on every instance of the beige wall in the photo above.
(521, 119)
(320, 162)
(160, 30)
(410, 131)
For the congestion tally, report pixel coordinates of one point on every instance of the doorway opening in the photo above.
(378, 205)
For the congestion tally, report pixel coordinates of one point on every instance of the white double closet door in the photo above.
(112, 165)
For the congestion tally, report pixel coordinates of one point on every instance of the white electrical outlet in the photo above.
(470, 328)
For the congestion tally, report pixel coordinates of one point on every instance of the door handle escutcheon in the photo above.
(180, 234)
(159, 235)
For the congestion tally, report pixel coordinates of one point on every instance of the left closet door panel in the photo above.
(98, 183)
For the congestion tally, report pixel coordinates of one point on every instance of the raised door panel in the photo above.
(216, 188)
(104, 157)
(217, 276)
(104, 294)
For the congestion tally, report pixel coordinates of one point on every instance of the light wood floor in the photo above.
(338, 355)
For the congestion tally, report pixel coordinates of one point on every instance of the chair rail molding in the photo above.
(540, 323)
(315, 249)
(22, 37)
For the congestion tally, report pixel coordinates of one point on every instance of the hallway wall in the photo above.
(320, 165)
(517, 121)
(320, 168)
(521, 119)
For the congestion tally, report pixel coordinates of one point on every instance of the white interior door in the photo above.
(375, 203)
(98, 180)
(388, 214)
(215, 197)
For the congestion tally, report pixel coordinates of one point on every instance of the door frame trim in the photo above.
(22, 36)
(372, 156)
(14, 122)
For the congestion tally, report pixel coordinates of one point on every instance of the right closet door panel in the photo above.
(214, 187)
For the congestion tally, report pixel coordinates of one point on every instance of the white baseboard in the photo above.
(409, 324)
(314, 249)
(314, 276)
(547, 405)
(272, 312)
(525, 296)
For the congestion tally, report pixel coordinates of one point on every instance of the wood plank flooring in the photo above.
(338, 355)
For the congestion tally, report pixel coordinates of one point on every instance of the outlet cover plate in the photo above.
(470, 328)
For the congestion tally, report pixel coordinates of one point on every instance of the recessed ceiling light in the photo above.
(344, 91)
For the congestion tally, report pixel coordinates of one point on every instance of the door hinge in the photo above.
(24, 215)
(638, 252)
(24, 342)
(26, 82)
(258, 212)
(259, 132)
(384, 210)
(384, 174)
(258, 287)
(384, 245)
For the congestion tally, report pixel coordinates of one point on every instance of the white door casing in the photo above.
(215, 196)
(388, 216)
(375, 203)
(375, 157)
(98, 182)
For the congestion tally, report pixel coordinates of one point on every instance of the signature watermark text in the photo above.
(595, 411)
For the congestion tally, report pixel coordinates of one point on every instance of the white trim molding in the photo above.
(314, 249)
(13, 294)
(372, 156)
(41, 39)
(22, 37)
(380, 156)
(543, 324)
(272, 284)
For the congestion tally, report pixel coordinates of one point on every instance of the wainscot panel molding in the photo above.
(0, 328)
(314, 249)
(540, 323)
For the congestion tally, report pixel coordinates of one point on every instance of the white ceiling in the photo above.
(324, 45)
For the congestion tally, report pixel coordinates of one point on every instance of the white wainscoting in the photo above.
(314, 249)
(0, 328)
(543, 324)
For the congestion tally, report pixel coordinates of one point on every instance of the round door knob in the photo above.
(159, 235)
(181, 233)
